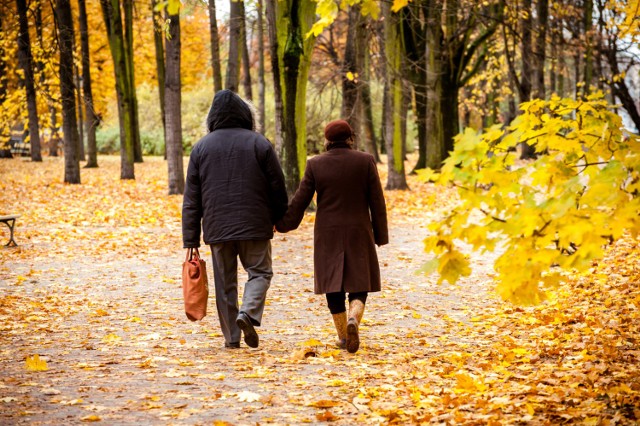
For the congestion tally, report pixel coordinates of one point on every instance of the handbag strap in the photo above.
(192, 252)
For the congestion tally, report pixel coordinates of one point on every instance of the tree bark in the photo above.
(351, 74)
(215, 47)
(294, 19)
(91, 120)
(291, 60)
(261, 81)
(235, 45)
(26, 63)
(246, 62)
(526, 52)
(129, 54)
(113, 23)
(275, 71)
(526, 151)
(173, 115)
(436, 150)
(588, 38)
(370, 142)
(542, 8)
(158, 43)
(78, 91)
(69, 123)
(396, 178)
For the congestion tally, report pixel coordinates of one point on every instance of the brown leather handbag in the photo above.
(195, 285)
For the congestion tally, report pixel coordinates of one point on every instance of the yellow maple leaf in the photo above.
(34, 363)
(91, 418)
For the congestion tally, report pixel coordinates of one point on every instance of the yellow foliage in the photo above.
(559, 211)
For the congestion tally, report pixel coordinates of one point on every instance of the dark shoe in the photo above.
(353, 339)
(341, 344)
(232, 345)
(250, 335)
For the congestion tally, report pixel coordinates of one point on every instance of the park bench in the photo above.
(10, 220)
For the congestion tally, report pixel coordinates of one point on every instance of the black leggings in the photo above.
(336, 300)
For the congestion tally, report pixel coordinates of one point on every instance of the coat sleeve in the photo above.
(192, 205)
(377, 206)
(299, 202)
(278, 192)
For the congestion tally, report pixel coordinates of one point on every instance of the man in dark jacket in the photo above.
(235, 188)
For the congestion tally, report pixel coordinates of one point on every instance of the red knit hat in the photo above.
(338, 131)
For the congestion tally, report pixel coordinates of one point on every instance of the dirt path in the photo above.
(118, 345)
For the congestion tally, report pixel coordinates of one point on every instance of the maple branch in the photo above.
(497, 219)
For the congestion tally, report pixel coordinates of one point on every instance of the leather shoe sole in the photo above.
(250, 335)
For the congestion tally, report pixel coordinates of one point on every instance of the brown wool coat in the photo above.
(351, 218)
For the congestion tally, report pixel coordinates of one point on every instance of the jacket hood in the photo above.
(229, 110)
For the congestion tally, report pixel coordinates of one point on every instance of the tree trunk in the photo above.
(26, 63)
(129, 54)
(235, 45)
(113, 23)
(78, 87)
(291, 60)
(396, 178)
(541, 45)
(69, 123)
(589, 37)
(261, 82)
(370, 142)
(526, 52)
(619, 88)
(91, 120)
(158, 43)
(294, 59)
(246, 63)
(436, 150)
(351, 74)
(274, 49)
(173, 115)
(215, 47)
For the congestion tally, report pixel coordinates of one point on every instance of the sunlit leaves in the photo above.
(554, 213)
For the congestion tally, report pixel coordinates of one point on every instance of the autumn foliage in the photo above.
(546, 217)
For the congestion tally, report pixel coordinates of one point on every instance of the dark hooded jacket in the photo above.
(235, 186)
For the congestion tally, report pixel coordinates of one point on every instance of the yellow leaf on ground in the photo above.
(91, 418)
(34, 363)
(324, 403)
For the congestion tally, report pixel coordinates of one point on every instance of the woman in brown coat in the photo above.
(351, 217)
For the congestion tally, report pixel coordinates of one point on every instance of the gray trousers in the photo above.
(255, 257)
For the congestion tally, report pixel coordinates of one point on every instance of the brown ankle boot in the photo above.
(340, 321)
(356, 310)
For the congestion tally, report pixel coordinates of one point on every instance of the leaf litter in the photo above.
(92, 294)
